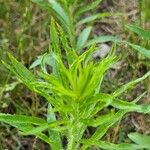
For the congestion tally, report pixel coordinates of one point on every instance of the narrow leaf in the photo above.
(141, 32)
(82, 39)
(103, 39)
(143, 140)
(92, 18)
(142, 50)
(86, 8)
(129, 85)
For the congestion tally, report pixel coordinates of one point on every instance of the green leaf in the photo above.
(56, 7)
(99, 120)
(101, 97)
(20, 70)
(54, 135)
(139, 97)
(24, 124)
(56, 85)
(141, 32)
(53, 126)
(120, 104)
(102, 129)
(9, 87)
(44, 138)
(87, 7)
(8, 118)
(92, 18)
(130, 85)
(111, 146)
(45, 59)
(142, 50)
(82, 39)
(54, 37)
(102, 39)
(143, 140)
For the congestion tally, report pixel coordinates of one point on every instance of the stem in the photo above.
(71, 139)
(73, 132)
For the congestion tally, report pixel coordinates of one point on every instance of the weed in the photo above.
(72, 91)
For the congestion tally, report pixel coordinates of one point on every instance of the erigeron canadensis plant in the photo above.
(72, 90)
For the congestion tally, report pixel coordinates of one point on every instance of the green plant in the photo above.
(71, 15)
(72, 89)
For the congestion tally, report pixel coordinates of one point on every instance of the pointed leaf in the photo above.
(103, 39)
(92, 18)
(141, 32)
(86, 8)
(143, 140)
(82, 39)
(142, 50)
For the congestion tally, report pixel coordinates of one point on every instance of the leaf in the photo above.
(141, 32)
(44, 138)
(70, 53)
(53, 126)
(10, 87)
(139, 97)
(111, 146)
(102, 119)
(102, 129)
(8, 118)
(53, 135)
(142, 140)
(130, 85)
(102, 39)
(92, 18)
(24, 124)
(56, 85)
(87, 7)
(26, 127)
(142, 50)
(54, 37)
(82, 39)
(101, 97)
(46, 59)
(56, 7)
(20, 70)
(120, 104)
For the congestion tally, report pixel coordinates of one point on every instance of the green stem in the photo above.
(71, 139)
